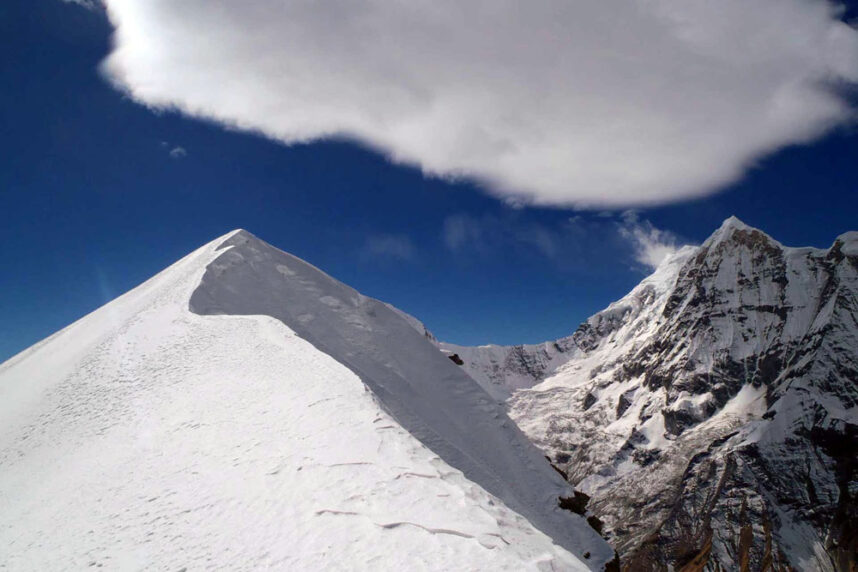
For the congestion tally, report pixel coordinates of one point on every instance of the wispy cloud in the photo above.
(174, 151)
(651, 245)
(619, 103)
(178, 152)
(488, 233)
(388, 247)
(582, 240)
(461, 231)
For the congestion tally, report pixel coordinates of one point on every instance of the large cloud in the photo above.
(584, 102)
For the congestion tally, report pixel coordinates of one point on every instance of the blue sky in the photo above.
(96, 197)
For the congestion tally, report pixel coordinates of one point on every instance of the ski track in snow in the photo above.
(196, 442)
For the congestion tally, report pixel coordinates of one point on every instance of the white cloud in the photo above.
(388, 246)
(596, 102)
(651, 245)
(178, 152)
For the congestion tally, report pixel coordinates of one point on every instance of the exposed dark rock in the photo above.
(594, 522)
(589, 401)
(676, 421)
(646, 457)
(624, 402)
(576, 503)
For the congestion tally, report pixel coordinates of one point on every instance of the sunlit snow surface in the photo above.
(147, 436)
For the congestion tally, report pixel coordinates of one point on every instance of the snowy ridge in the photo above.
(146, 435)
(712, 414)
(425, 392)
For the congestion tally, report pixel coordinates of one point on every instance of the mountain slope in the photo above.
(712, 414)
(147, 434)
(431, 397)
(502, 370)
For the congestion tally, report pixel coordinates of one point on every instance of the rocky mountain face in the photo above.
(711, 415)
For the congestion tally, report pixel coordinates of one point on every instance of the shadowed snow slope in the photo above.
(146, 435)
(423, 390)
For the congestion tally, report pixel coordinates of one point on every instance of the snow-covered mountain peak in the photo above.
(733, 222)
(245, 410)
(235, 233)
(713, 405)
(712, 412)
(733, 234)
